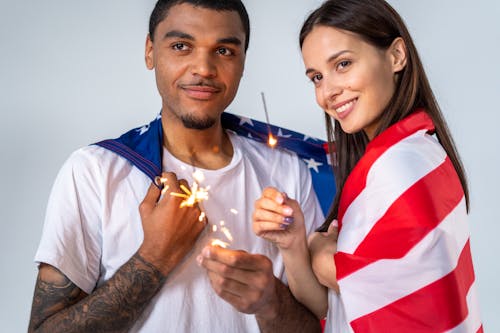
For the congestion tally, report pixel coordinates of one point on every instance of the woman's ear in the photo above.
(397, 52)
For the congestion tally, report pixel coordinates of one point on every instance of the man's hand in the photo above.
(244, 280)
(169, 231)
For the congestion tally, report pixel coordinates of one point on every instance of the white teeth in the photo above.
(344, 107)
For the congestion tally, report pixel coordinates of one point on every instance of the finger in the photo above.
(183, 182)
(237, 258)
(170, 184)
(235, 280)
(273, 194)
(261, 228)
(149, 201)
(333, 229)
(239, 295)
(265, 203)
(263, 215)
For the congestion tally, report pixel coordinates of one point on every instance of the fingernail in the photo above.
(335, 223)
(288, 219)
(206, 252)
(280, 199)
(287, 211)
(283, 226)
(199, 259)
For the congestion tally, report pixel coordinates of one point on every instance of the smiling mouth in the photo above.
(200, 91)
(346, 106)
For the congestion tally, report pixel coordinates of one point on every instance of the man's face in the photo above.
(198, 55)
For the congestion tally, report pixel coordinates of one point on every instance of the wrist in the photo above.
(270, 311)
(159, 262)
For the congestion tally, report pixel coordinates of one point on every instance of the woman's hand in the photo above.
(322, 246)
(279, 219)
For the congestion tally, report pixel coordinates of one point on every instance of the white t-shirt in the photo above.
(92, 227)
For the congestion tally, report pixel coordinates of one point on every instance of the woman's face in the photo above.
(354, 81)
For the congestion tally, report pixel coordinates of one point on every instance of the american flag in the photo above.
(312, 151)
(404, 261)
(142, 146)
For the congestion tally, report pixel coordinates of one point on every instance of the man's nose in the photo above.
(204, 65)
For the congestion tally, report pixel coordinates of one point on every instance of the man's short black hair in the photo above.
(162, 7)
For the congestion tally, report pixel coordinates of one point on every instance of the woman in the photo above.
(402, 259)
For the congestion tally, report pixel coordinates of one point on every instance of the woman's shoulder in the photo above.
(411, 157)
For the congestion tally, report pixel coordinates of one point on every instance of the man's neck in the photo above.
(208, 149)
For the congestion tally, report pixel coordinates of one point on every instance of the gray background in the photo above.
(72, 73)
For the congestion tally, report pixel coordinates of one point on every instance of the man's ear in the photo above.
(397, 52)
(148, 54)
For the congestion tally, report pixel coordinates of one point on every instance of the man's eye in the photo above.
(179, 47)
(224, 51)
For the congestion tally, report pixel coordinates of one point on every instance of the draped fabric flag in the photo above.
(404, 262)
(143, 147)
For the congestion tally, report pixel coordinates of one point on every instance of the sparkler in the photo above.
(272, 141)
(195, 195)
(191, 196)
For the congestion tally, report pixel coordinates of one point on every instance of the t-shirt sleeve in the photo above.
(71, 237)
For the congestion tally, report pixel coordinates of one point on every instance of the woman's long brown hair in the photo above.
(379, 24)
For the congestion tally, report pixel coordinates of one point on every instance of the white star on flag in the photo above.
(143, 129)
(307, 137)
(280, 133)
(245, 120)
(312, 164)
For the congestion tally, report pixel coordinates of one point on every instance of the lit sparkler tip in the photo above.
(272, 141)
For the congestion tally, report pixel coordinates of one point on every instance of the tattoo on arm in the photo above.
(292, 315)
(60, 306)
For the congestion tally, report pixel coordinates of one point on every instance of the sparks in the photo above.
(202, 216)
(227, 233)
(218, 242)
(192, 196)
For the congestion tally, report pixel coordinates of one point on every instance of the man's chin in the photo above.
(198, 123)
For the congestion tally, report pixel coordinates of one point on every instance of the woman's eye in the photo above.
(343, 64)
(224, 51)
(316, 78)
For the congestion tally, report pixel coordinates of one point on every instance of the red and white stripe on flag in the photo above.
(404, 261)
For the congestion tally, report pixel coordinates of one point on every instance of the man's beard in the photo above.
(197, 123)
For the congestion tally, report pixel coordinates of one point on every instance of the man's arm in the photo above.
(290, 315)
(169, 234)
(247, 282)
(60, 306)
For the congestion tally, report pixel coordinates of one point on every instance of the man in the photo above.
(102, 270)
